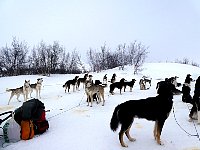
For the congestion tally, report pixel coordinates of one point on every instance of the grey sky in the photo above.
(171, 28)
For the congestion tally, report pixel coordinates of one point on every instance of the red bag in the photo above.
(41, 125)
(43, 116)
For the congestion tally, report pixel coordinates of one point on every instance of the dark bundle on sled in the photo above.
(33, 110)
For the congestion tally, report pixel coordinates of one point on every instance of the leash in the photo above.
(3, 92)
(197, 135)
(194, 126)
(79, 104)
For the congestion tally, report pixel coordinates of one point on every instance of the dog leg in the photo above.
(125, 127)
(155, 129)
(39, 93)
(158, 131)
(31, 90)
(88, 99)
(124, 88)
(128, 134)
(68, 88)
(65, 89)
(11, 98)
(131, 89)
(198, 116)
(121, 134)
(25, 97)
(91, 98)
(103, 99)
(18, 97)
(98, 98)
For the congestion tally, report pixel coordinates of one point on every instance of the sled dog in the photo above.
(130, 84)
(71, 82)
(94, 89)
(82, 80)
(118, 85)
(37, 87)
(152, 108)
(24, 90)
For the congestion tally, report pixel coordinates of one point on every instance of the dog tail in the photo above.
(114, 123)
(64, 85)
(8, 90)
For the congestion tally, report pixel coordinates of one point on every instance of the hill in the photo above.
(75, 126)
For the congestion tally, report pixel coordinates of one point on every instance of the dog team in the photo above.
(155, 109)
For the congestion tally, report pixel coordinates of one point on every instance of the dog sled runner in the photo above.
(8, 113)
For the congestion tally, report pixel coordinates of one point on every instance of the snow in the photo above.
(75, 126)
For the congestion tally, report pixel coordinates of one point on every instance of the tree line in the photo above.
(46, 59)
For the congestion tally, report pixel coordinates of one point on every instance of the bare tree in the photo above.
(56, 53)
(14, 58)
(91, 59)
(73, 67)
(139, 57)
(121, 55)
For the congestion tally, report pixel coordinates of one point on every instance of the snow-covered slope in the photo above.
(75, 126)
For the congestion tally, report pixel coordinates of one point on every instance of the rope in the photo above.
(79, 104)
(3, 92)
(194, 126)
(197, 135)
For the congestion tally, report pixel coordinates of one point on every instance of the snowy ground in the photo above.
(75, 126)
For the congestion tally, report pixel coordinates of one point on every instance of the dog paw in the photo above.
(124, 145)
(132, 139)
(160, 143)
(190, 120)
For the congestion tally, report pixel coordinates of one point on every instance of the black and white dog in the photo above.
(82, 80)
(152, 108)
(195, 111)
(72, 82)
(188, 79)
(147, 80)
(105, 79)
(113, 79)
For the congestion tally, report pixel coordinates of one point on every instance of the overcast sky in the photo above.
(171, 28)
